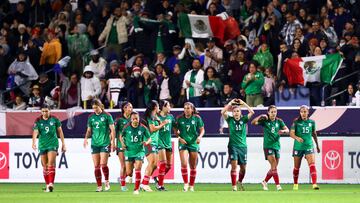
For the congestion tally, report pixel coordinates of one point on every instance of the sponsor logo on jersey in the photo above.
(332, 159)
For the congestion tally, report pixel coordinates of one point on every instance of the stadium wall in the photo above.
(339, 162)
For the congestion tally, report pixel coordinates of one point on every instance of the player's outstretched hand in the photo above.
(63, 148)
(85, 143)
(34, 146)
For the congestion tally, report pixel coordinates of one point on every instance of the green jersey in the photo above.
(47, 132)
(165, 132)
(119, 125)
(154, 135)
(253, 86)
(237, 129)
(271, 132)
(100, 130)
(134, 138)
(304, 129)
(189, 127)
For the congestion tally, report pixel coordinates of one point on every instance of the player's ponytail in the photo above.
(149, 109)
(162, 104)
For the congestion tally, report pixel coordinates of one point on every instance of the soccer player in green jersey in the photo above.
(48, 127)
(101, 128)
(302, 131)
(133, 139)
(126, 109)
(273, 128)
(190, 130)
(237, 146)
(151, 151)
(165, 146)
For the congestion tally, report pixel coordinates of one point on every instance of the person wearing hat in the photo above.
(213, 55)
(22, 37)
(36, 100)
(148, 87)
(115, 35)
(113, 72)
(90, 86)
(98, 63)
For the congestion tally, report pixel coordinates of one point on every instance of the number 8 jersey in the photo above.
(47, 132)
(304, 129)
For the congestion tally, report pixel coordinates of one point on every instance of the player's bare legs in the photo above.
(297, 165)
(122, 171)
(233, 174)
(310, 158)
(152, 159)
(184, 156)
(105, 169)
(272, 173)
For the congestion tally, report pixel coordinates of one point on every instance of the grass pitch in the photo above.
(69, 193)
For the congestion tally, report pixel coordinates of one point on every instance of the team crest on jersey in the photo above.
(182, 122)
(51, 123)
(241, 122)
(41, 124)
(309, 124)
(276, 125)
(193, 122)
(102, 118)
(139, 132)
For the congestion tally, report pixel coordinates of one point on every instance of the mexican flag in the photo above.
(322, 68)
(201, 26)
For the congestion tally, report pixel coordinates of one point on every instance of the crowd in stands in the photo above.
(133, 50)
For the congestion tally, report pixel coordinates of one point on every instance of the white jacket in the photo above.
(89, 86)
(199, 78)
(99, 67)
(357, 98)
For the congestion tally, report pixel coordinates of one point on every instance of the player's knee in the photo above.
(129, 173)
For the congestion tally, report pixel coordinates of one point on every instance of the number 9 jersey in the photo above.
(47, 132)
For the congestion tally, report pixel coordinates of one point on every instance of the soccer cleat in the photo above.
(124, 188)
(136, 192)
(241, 185)
(99, 189)
(146, 188)
(186, 187)
(161, 189)
(234, 188)
(278, 188)
(264, 186)
(51, 187)
(191, 189)
(46, 189)
(107, 186)
(315, 187)
(156, 182)
(296, 187)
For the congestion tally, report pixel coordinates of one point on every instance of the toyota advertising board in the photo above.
(339, 162)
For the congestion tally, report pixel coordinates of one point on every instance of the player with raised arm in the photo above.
(133, 138)
(126, 109)
(100, 127)
(48, 128)
(237, 146)
(151, 151)
(190, 130)
(273, 128)
(303, 130)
